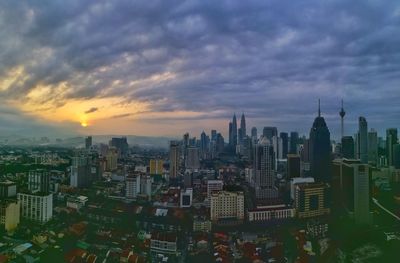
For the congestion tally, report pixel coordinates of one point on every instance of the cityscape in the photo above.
(199, 131)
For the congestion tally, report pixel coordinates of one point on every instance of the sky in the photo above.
(166, 67)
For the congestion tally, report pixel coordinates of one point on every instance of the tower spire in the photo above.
(319, 108)
(342, 113)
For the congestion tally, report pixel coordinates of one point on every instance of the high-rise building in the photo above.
(111, 159)
(36, 207)
(39, 181)
(227, 205)
(264, 167)
(348, 147)
(174, 159)
(204, 145)
(285, 143)
(294, 140)
(353, 191)
(220, 143)
(254, 132)
(234, 132)
(320, 150)
(9, 206)
(391, 139)
(88, 142)
(121, 144)
(270, 132)
(132, 184)
(214, 186)
(396, 156)
(80, 171)
(242, 129)
(372, 146)
(312, 199)
(192, 161)
(213, 135)
(293, 166)
(230, 135)
(362, 140)
(156, 166)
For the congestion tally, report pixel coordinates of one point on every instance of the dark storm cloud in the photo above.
(271, 59)
(91, 110)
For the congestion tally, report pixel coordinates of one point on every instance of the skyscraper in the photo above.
(348, 147)
(294, 139)
(264, 170)
(174, 159)
(285, 142)
(192, 161)
(293, 166)
(391, 139)
(254, 132)
(396, 156)
(320, 150)
(230, 134)
(242, 129)
(88, 142)
(362, 140)
(372, 146)
(234, 132)
(270, 132)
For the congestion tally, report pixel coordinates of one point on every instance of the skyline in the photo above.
(82, 68)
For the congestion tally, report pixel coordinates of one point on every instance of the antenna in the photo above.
(319, 108)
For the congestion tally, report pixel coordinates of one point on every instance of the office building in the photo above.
(132, 184)
(164, 243)
(396, 156)
(320, 150)
(264, 168)
(312, 199)
(38, 208)
(122, 146)
(293, 166)
(254, 133)
(88, 142)
(294, 140)
(39, 181)
(285, 144)
(174, 159)
(391, 139)
(298, 180)
(8, 189)
(193, 160)
(362, 141)
(269, 132)
(214, 186)
(9, 206)
(352, 189)
(373, 147)
(348, 147)
(80, 171)
(111, 159)
(227, 206)
(156, 166)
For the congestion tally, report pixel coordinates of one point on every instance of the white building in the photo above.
(227, 205)
(132, 183)
(37, 208)
(271, 212)
(163, 242)
(186, 197)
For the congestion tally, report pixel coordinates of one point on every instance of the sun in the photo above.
(84, 124)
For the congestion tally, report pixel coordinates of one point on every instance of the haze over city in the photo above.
(166, 67)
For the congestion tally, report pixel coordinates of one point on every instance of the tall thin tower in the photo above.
(342, 113)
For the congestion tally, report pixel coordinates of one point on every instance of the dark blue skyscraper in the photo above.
(234, 131)
(320, 150)
(285, 143)
(242, 133)
(270, 132)
(294, 140)
(348, 147)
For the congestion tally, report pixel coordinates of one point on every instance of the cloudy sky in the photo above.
(166, 67)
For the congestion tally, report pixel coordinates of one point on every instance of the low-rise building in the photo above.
(227, 205)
